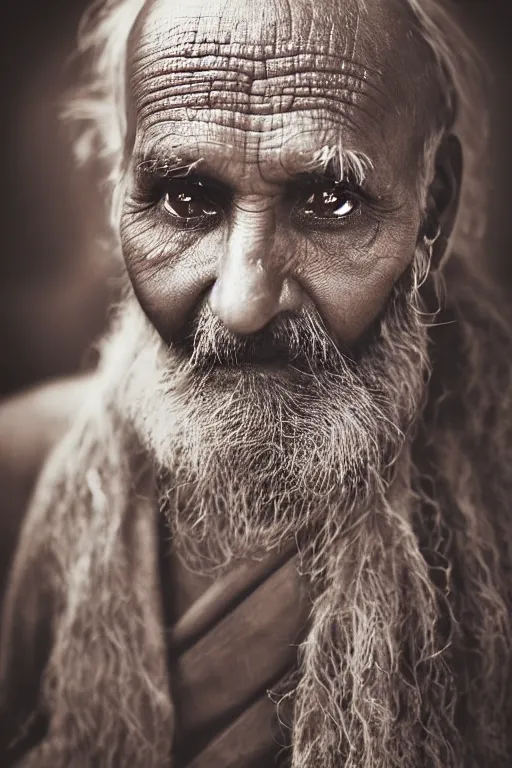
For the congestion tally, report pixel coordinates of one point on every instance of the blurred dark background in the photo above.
(56, 280)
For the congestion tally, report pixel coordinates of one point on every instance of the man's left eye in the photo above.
(189, 203)
(334, 202)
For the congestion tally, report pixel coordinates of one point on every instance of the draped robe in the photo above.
(230, 640)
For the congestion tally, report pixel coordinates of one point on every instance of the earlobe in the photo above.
(443, 198)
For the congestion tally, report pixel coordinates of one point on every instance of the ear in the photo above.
(443, 197)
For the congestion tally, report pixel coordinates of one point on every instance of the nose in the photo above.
(253, 284)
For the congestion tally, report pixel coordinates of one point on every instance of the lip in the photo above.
(260, 374)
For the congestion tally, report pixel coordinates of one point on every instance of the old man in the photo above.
(278, 530)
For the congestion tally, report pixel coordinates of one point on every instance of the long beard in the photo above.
(278, 436)
(376, 689)
(321, 450)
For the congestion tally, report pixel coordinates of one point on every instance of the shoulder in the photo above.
(31, 423)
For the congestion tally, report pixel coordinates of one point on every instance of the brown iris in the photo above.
(332, 202)
(189, 201)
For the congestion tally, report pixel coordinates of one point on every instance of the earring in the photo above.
(430, 241)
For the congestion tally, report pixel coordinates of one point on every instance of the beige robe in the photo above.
(224, 644)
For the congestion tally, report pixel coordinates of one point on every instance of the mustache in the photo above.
(298, 340)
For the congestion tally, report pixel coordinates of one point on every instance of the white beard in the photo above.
(250, 458)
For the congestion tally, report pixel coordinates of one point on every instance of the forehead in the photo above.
(267, 77)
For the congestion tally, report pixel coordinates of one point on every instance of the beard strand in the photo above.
(250, 457)
(405, 663)
(375, 689)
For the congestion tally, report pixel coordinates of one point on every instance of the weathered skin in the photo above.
(252, 90)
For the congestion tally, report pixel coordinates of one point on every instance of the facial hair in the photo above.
(264, 438)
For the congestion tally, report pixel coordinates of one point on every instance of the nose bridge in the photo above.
(251, 287)
(251, 236)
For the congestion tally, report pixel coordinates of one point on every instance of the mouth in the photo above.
(288, 346)
(270, 376)
(246, 357)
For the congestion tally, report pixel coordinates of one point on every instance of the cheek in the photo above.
(350, 282)
(347, 276)
(170, 272)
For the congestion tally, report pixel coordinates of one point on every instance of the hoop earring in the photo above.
(431, 241)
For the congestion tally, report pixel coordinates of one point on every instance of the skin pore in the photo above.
(284, 379)
(275, 200)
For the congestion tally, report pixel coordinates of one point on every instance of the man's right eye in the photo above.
(189, 203)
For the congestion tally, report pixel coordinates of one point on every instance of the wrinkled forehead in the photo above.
(360, 64)
(378, 34)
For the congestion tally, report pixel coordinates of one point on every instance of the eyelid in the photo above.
(373, 209)
(189, 173)
(309, 183)
(306, 187)
(202, 192)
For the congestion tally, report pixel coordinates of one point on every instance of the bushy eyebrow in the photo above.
(340, 163)
(166, 165)
(330, 160)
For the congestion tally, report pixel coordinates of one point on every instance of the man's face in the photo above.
(234, 107)
(262, 265)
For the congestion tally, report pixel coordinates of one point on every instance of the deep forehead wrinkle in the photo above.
(254, 40)
(232, 90)
(262, 61)
(246, 65)
(262, 37)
